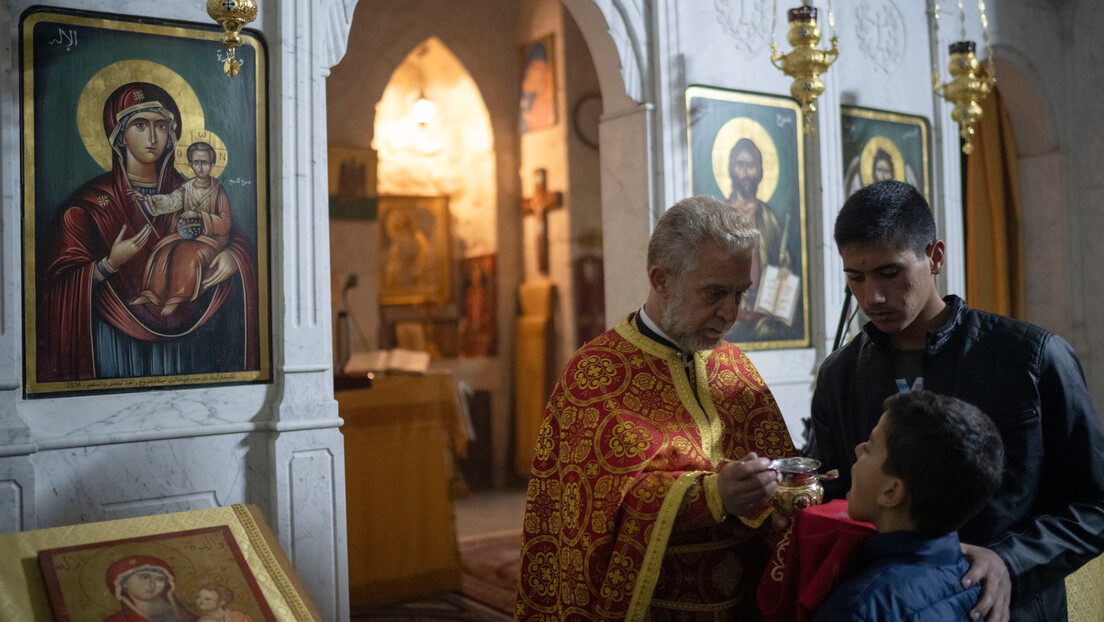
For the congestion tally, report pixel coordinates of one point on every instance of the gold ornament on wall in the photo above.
(232, 15)
(967, 88)
(806, 61)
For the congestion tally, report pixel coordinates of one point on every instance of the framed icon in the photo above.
(415, 250)
(879, 144)
(746, 149)
(145, 206)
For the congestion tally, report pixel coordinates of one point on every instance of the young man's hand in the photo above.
(996, 586)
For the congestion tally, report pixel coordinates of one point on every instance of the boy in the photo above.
(931, 463)
(174, 273)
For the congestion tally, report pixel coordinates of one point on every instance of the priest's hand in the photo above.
(747, 484)
(996, 586)
(122, 250)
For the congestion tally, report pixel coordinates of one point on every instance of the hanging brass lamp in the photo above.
(232, 15)
(806, 61)
(967, 88)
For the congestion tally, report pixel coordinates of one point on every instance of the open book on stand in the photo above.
(396, 360)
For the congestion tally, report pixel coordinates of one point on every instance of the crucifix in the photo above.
(538, 205)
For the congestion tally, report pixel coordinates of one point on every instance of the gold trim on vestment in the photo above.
(713, 498)
(648, 574)
(700, 547)
(700, 406)
(715, 449)
(699, 607)
(756, 520)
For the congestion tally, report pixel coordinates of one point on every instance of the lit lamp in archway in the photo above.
(966, 89)
(806, 61)
(423, 109)
(232, 15)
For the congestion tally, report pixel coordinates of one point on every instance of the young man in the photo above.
(930, 464)
(1047, 519)
(651, 480)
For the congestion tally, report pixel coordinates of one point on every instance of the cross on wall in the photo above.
(539, 205)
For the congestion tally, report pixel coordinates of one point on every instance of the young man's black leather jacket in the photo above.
(1047, 519)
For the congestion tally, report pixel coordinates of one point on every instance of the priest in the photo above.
(649, 493)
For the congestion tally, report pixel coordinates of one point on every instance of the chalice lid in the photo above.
(796, 464)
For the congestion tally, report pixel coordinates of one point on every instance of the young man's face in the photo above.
(894, 287)
(867, 478)
(702, 307)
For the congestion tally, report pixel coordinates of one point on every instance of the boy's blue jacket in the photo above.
(903, 575)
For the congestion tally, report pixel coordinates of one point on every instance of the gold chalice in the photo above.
(801, 484)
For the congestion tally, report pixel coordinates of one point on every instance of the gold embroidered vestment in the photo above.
(623, 518)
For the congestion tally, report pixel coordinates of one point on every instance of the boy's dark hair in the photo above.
(886, 211)
(948, 454)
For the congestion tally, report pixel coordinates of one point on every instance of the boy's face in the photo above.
(201, 163)
(867, 478)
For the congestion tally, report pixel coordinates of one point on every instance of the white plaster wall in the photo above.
(1082, 139)
(89, 458)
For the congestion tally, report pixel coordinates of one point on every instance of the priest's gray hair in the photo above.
(692, 222)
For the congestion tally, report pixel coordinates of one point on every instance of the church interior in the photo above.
(441, 201)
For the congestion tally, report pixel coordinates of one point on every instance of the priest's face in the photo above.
(701, 307)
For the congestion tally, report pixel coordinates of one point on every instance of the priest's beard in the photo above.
(688, 336)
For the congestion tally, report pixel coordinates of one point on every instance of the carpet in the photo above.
(490, 568)
(433, 608)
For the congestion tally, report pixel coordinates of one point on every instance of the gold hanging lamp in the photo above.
(966, 89)
(232, 15)
(806, 61)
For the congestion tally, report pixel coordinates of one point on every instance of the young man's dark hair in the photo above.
(948, 454)
(886, 211)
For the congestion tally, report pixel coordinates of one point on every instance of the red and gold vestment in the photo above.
(624, 519)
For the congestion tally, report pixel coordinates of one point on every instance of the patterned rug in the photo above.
(490, 569)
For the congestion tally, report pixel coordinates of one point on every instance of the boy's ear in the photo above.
(893, 494)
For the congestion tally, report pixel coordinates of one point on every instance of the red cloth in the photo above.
(809, 559)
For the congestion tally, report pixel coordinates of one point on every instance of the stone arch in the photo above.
(1044, 219)
(617, 35)
(452, 154)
